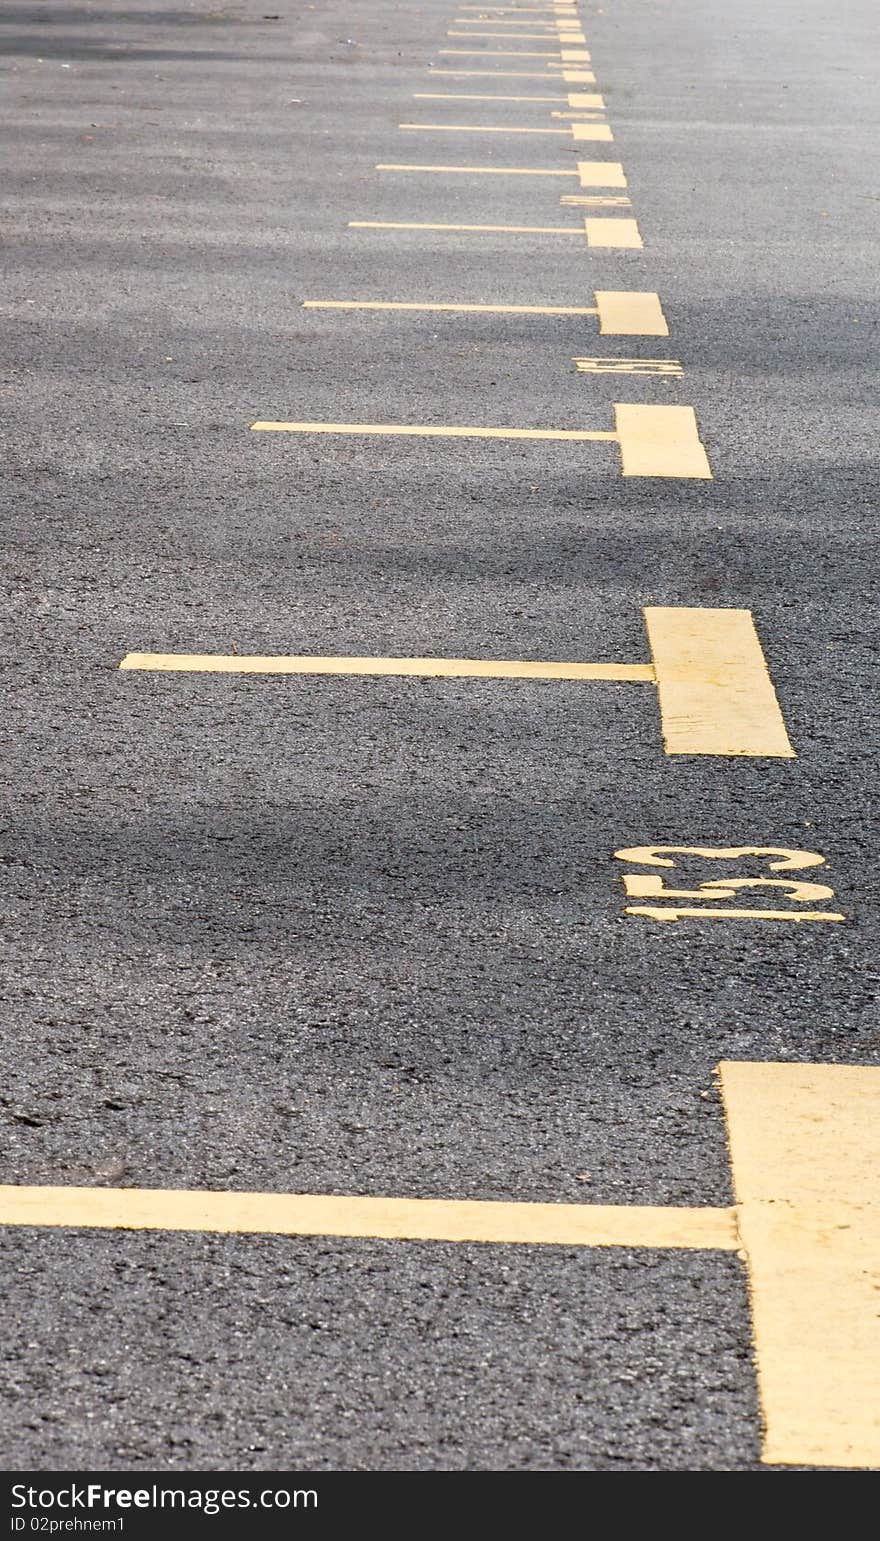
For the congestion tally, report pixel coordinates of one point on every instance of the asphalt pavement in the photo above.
(343, 935)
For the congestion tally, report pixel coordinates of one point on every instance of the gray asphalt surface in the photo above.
(366, 936)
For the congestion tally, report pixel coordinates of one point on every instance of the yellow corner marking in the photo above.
(311, 1214)
(506, 310)
(601, 174)
(582, 131)
(483, 171)
(715, 692)
(417, 668)
(479, 128)
(586, 99)
(805, 1159)
(662, 913)
(661, 441)
(630, 313)
(372, 224)
(613, 232)
(574, 56)
(578, 77)
(431, 431)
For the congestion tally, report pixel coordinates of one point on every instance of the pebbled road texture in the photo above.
(342, 935)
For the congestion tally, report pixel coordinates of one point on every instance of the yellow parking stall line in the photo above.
(578, 77)
(371, 224)
(391, 1219)
(586, 99)
(503, 53)
(414, 668)
(621, 313)
(479, 128)
(805, 1160)
(715, 691)
(486, 171)
(653, 441)
(613, 232)
(515, 37)
(505, 75)
(454, 96)
(505, 310)
(432, 431)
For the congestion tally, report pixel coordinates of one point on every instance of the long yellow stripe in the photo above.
(395, 1219)
(454, 96)
(375, 224)
(514, 310)
(479, 128)
(424, 668)
(805, 1159)
(431, 432)
(484, 171)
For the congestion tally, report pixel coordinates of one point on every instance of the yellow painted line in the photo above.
(613, 232)
(575, 56)
(415, 668)
(511, 310)
(451, 96)
(654, 441)
(370, 224)
(578, 77)
(582, 131)
(716, 694)
(478, 128)
(601, 174)
(703, 913)
(503, 53)
(430, 431)
(805, 1160)
(586, 99)
(485, 171)
(630, 313)
(515, 37)
(505, 75)
(393, 1219)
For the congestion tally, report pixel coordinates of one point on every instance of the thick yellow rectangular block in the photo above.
(805, 1159)
(715, 691)
(594, 131)
(591, 99)
(601, 174)
(630, 313)
(660, 441)
(613, 232)
(574, 56)
(578, 77)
